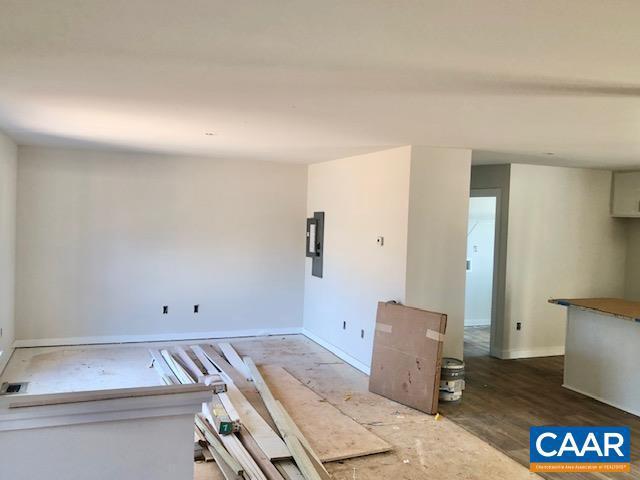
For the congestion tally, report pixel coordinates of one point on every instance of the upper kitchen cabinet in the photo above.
(625, 194)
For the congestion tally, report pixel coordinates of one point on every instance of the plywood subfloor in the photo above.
(503, 398)
(332, 434)
(422, 447)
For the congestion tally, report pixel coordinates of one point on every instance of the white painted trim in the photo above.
(150, 406)
(603, 400)
(337, 352)
(533, 352)
(161, 337)
(5, 356)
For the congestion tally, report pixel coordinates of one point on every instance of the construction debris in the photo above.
(220, 428)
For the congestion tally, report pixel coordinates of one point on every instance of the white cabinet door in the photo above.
(625, 198)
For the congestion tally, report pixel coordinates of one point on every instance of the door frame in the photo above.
(495, 343)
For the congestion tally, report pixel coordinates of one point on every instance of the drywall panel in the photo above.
(363, 197)
(8, 159)
(562, 243)
(105, 240)
(436, 250)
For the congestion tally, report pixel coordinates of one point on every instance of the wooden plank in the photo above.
(234, 359)
(259, 456)
(227, 471)
(269, 442)
(331, 434)
(24, 401)
(194, 371)
(213, 440)
(235, 447)
(176, 368)
(229, 407)
(295, 447)
(220, 418)
(221, 363)
(317, 463)
(162, 368)
(206, 362)
(288, 470)
(206, 454)
(199, 436)
(299, 434)
(247, 388)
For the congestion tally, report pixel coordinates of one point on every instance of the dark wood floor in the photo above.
(503, 398)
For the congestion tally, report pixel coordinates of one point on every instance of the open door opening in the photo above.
(479, 312)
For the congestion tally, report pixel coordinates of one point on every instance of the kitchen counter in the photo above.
(602, 350)
(617, 307)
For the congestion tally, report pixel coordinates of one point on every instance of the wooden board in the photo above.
(269, 470)
(162, 368)
(313, 456)
(611, 306)
(332, 434)
(270, 443)
(288, 470)
(298, 452)
(247, 388)
(234, 359)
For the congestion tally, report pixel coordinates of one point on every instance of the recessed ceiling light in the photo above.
(209, 134)
(549, 153)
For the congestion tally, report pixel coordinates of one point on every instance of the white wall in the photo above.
(8, 159)
(417, 199)
(632, 278)
(106, 239)
(562, 242)
(363, 197)
(480, 247)
(436, 252)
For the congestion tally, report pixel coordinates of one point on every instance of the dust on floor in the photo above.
(423, 446)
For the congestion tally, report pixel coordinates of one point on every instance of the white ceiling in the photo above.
(297, 80)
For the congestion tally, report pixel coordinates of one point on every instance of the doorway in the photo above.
(479, 311)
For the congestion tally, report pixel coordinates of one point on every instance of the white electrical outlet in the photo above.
(380, 241)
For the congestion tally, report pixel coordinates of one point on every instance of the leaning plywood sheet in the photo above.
(332, 434)
(407, 355)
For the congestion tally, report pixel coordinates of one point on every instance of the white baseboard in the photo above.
(600, 399)
(532, 352)
(161, 337)
(5, 356)
(337, 352)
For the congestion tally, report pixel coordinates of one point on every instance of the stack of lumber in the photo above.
(243, 449)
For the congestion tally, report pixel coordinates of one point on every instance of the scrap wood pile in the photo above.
(246, 429)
